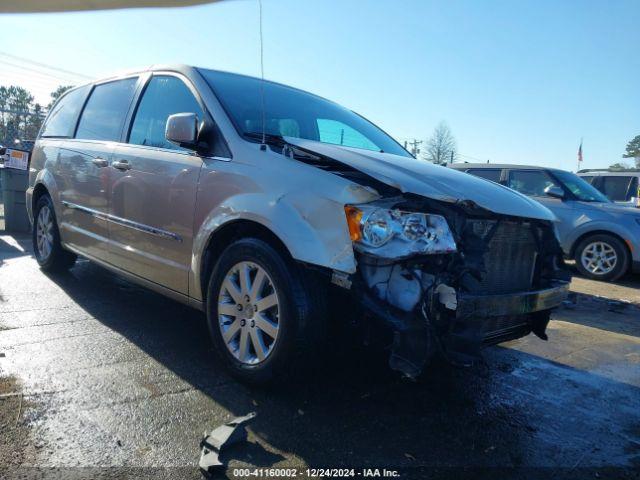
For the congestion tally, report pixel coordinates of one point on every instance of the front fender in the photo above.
(313, 229)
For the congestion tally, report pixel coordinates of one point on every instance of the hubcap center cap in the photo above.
(249, 311)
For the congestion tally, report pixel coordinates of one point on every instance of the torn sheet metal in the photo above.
(225, 435)
(411, 175)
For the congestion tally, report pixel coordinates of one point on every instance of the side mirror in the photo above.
(554, 192)
(182, 129)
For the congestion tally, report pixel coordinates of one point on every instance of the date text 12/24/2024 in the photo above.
(315, 473)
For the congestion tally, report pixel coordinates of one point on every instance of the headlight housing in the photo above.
(392, 233)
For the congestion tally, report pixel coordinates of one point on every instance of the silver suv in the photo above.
(602, 237)
(252, 201)
(620, 186)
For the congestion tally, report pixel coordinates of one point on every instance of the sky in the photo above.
(516, 81)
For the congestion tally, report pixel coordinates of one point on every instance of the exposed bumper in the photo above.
(483, 306)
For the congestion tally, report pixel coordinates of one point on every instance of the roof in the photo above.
(499, 165)
(21, 6)
(608, 171)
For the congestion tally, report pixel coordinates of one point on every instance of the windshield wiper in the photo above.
(269, 138)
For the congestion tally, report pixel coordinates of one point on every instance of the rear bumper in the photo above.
(635, 266)
(483, 306)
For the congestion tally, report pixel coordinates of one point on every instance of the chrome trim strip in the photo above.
(124, 222)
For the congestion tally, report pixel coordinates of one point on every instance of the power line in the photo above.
(33, 62)
(473, 158)
(414, 147)
(39, 73)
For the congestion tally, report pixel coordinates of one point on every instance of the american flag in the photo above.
(580, 152)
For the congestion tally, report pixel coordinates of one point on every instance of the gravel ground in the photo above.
(101, 378)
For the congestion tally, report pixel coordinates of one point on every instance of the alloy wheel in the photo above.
(599, 258)
(248, 312)
(44, 232)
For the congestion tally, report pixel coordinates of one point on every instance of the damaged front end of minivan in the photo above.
(451, 279)
(447, 276)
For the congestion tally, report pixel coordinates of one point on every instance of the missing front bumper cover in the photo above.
(478, 321)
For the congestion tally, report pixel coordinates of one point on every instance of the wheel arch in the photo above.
(590, 233)
(226, 234)
(39, 190)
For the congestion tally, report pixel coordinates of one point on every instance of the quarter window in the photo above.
(64, 115)
(616, 187)
(103, 116)
(492, 174)
(164, 96)
(530, 182)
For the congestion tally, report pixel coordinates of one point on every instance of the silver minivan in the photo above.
(256, 203)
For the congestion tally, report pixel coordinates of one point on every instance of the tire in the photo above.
(49, 253)
(296, 323)
(602, 248)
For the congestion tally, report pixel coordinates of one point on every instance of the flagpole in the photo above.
(580, 154)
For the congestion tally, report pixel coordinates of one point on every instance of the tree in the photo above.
(57, 93)
(633, 150)
(619, 166)
(441, 147)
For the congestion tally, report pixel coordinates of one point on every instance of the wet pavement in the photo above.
(95, 371)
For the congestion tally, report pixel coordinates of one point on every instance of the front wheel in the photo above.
(264, 312)
(602, 257)
(49, 253)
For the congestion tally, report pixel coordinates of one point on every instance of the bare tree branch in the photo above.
(441, 147)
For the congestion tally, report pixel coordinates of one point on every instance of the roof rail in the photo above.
(624, 170)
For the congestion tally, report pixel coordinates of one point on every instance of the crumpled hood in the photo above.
(420, 177)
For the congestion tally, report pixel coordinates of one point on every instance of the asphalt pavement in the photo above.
(102, 378)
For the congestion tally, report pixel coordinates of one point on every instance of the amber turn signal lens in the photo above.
(354, 216)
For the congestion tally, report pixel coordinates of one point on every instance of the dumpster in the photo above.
(15, 179)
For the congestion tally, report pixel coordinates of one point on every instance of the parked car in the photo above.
(602, 237)
(620, 186)
(179, 179)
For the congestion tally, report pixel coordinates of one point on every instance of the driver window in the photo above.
(163, 96)
(530, 182)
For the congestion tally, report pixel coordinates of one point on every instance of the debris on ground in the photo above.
(224, 436)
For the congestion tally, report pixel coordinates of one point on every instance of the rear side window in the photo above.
(587, 178)
(104, 115)
(530, 182)
(64, 115)
(492, 174)
(164, 96)
(616, 187)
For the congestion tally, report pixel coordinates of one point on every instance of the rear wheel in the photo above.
(265, 313)
(602, 257)
(46, 238)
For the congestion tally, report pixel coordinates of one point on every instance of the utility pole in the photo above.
(451, 161)
(414, 147)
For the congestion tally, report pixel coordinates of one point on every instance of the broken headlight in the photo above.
(393, 233)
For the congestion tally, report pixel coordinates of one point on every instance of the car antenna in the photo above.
(263, 146)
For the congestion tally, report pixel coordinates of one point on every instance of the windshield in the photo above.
(581, 189)
(293, 113)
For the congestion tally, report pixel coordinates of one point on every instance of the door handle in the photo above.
(100, 162)
(121, 165)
